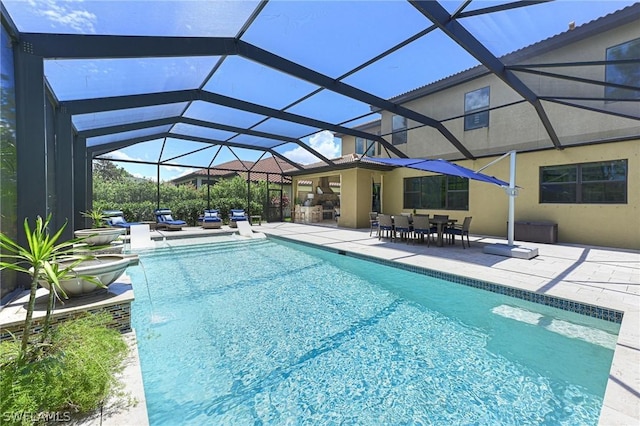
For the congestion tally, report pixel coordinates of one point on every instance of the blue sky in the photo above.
(322, 35)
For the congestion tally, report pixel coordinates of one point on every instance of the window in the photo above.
(588, 183)
(365, 146)
(625, 74)
(399, 129)
(476, 109)
(436, 192)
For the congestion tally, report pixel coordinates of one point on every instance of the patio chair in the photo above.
(385, 224)
(461, 230)
(115, 218)
(211, 219)
(235, 216)
(422, 227)
(373, 222)
(402, 226)
(164, 219)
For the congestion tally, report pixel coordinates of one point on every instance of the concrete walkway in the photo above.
(604, 277)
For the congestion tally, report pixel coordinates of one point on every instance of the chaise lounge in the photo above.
(211, 219)
(115, 218)
(235, 216)
(165, 220)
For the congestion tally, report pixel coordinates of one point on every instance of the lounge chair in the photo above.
(115, 218)
(235, 216)
(165, 220)
(211, 219)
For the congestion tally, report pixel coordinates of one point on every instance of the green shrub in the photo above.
(116, 189)
(74, 372)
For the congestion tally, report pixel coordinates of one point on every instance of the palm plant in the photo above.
(96, 217)
(40, 261)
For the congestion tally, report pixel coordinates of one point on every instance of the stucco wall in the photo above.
(518, 126)
(582, 133)
(610, 225)
(355, 198)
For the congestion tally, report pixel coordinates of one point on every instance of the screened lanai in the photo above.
(194, 84)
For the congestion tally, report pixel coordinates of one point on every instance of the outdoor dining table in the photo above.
(440, 224)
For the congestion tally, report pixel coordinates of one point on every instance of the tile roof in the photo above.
(269, 168)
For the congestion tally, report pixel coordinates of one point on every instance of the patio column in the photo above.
(30, 137)
(64, 173)
(80, 179)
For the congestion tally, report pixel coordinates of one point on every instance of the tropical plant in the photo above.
(76, 372)
(96, 217)
(39, 260)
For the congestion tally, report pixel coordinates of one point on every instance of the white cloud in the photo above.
(66, 15)
(184, 173)
(141, 176)
(175, 169)
(119, 155)
(323, 142)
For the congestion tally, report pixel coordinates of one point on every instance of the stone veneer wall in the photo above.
(120, 314)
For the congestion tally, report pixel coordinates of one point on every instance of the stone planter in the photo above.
(99, 236)
(105, 267)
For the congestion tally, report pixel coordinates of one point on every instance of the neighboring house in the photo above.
(584, 175)
(269, 169)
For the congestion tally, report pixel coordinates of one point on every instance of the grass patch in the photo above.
(74, 372)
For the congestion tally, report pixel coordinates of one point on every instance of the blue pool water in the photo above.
(269, 332)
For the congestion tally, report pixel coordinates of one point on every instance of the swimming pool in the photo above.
(270, 332)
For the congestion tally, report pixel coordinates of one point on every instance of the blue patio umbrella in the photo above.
(439, 166)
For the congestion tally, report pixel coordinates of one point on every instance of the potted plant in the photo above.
(40, 259)
(99, 234)
(57, 266)
(97, 217)
(80, 357)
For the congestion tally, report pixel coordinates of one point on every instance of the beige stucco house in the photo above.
(580, 170)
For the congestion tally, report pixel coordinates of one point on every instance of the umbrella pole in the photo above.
(510, 250)
(512, 196)
(511, 191)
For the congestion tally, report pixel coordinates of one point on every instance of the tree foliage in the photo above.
(116, 189)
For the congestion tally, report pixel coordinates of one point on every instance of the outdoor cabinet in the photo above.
(536, 232)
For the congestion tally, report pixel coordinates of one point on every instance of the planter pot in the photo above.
(105, 267)
(99, 236)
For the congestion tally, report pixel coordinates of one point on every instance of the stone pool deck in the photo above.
(600, 276)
